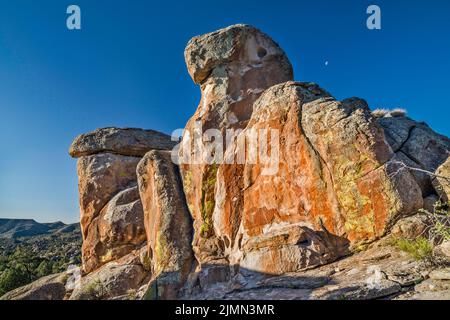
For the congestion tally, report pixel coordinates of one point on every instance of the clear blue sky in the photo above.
(126, 68)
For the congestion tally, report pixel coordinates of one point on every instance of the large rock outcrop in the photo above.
(167, 223)
(294, 180)
(112, 218)
(233, 66)
(335, 174)
(333, 180)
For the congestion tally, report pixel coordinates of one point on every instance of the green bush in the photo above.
(13, 278)
(419, 248)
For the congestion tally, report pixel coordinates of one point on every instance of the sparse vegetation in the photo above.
(382, 113)
(440, 222)
(419, 248)
(438, 231)
(95, 291)
(207, 201)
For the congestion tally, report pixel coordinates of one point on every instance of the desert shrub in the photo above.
(438, 230)
(380, 113)
(420, 248)
(439, 222)
(44, 268)
(398, 112)
(13, 278)
(94, 291)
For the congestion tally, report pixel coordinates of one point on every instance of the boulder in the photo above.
(115, 279)
(441, 181)
(440, 274)
(233, 67)
(238, 46)
(167, 223)
(430, 289)
(290, 249)
(51, 287)
(128, 142)
(412, 227)
(118, 230)
(430, 202)
(425, 149)
(100, 177)
(443, 250)
(333, 175)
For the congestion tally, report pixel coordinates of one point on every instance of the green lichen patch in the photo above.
(208, 200)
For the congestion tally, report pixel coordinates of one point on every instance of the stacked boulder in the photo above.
(112, 216)
(421, 149)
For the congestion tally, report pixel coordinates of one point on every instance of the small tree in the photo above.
(13, 278)
(44, 268)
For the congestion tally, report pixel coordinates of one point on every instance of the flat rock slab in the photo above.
(51, 287)
(381, 272)
(127, 141)
(114, 279)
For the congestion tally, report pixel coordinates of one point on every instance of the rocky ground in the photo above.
(380, 272)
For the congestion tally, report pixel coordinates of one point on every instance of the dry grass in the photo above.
(384, 113)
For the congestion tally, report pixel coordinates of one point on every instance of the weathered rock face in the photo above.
(100, 177)
(112, 218)
(233, 67)
(116, 279)
(334, 178)
(442, 181)
(167, 223)
(412, 227)
(103, 219)
(118, 230)
(129, 142)
(418, 146)
(380, 272)
(290, 249)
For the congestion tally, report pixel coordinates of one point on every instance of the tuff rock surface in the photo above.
(335, 180)
(127, 141)
(380, 272)
(233, 66)
(418, 146)
(119, 279)
(112, 217)
(118, 230)
(167, 223)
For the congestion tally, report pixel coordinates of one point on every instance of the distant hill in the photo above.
(18, 228)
